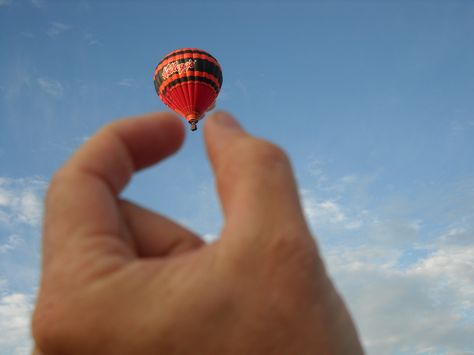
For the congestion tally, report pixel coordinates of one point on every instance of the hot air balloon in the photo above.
(188, 81)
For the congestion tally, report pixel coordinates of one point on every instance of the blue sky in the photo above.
(372, 100)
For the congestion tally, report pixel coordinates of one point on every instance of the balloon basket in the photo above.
(193, 124)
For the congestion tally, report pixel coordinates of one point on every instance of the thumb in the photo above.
(255, 182)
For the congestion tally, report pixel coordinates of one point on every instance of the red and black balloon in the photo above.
(188, 81)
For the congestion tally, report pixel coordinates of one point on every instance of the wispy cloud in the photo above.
(409, 287)
(126, 82)
(84, 5)
(12, 242)
(15, 313)
(5, 2)
(242, 87)
(38, 3)
(27, 34)
(20, 81)
(20, 215)
(91, 39)
(51, 87)
(20, 201)
(224, 95)
(459, 126)
(57, 28)
(327, 212)
(201, 213)
(399, 310)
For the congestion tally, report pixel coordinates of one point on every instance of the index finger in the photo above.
(81, 199)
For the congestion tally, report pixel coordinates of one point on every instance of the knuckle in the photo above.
(292, 263)
(291, 246)
(288, 247)
(110, 130)
(263, 152)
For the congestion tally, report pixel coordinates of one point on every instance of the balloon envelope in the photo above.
(188, 81)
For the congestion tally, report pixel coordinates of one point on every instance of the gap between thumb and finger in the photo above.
(155, 235)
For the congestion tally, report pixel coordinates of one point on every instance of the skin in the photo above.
(120, 279)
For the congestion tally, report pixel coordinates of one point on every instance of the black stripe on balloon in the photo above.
(189, 78)
(170, 58)
(185, 52)
(157, 87)
(199, 65)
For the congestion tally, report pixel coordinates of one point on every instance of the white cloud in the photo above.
(15, 313)
(454, 265)
(410, 286)
(456, 235)
(20, 216)
(209, 238)
(314, 167)
(57, 28)
(51, 87)
(5, 2)
(20, 201)
(404, 310)
(12, 242)
(323, 212)
(29, 210)
(4, 198)
(327, 212)
(3, 217)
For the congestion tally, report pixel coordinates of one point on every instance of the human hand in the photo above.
(119, 279)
